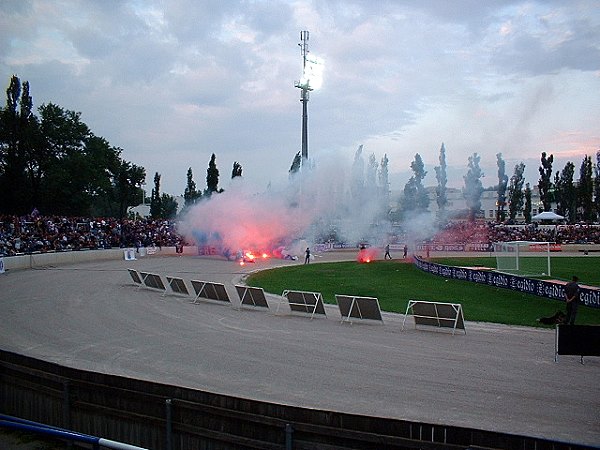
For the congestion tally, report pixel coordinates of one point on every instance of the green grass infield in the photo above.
(394, 283)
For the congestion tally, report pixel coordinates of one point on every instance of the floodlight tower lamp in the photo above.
(304, 86)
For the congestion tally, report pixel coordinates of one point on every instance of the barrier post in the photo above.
(169, 424)
(289, 431)
(66, 404)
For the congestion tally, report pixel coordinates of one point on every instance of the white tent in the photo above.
(547, 215)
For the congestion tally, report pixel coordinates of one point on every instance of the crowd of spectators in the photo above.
(490, 232)
(35, 233)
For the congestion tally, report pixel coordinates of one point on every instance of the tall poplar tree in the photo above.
(155, 198)
(357, 176)
(502, 185)
(191, 194)
(415, 195)
(212, 177)
(441, 196)
(296, 162)
(515, 191)
(597, 186)
(236, 171)
(16, 122)
(567, 192)
(545, 181)
(527, 207)
(585, 190)
(473, 186)
(384, 184)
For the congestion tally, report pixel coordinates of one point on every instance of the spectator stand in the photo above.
(252, 296)
(436, 314)
(303, 302)
(356, 307)
(209, 290)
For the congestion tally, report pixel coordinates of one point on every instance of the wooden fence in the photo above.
(159, 416)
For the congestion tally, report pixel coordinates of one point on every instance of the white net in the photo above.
(523, 257)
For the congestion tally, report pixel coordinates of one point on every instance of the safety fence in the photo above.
(550, 289)
(159, 416)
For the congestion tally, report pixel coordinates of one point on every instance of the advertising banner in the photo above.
(541, 288)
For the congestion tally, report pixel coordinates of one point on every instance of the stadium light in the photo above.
(312, 78)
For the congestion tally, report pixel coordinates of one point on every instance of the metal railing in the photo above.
(16, 423)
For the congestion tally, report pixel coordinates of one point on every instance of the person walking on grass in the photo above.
(387, 252)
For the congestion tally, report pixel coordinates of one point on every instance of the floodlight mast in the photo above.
(304, 85)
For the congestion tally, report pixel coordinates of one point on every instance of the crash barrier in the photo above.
(28, 426)
(589, 296)
(436, 314)
(153, 281)
(135, 276)
(581, 340)
(352, 308)
(159, 416)
(210, 291)
(252, 296)
(303, 302)
(361, 308)
(177, 286)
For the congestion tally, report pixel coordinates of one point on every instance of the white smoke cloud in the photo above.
(313, 206)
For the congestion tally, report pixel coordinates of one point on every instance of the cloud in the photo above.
(173, 84)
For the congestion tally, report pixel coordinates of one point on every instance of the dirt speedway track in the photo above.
(499, 378)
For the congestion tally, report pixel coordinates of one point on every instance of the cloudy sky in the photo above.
(171, 82)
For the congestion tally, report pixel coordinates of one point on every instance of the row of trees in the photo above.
(576, 200)
(53, 162)
(164, 205)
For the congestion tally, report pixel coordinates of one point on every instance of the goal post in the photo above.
(523, 257)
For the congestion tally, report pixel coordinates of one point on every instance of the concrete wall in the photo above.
(76, 257)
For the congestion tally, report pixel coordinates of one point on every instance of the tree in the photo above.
(191, 195)
(585, 190)
(295, 167)
(237, 170)
(58, 164)
(545, 181)
(515, 192)
(357, 176)
(156, 199)
(168, 206)
(527, 209)
(415, 195)
(566, 193)
(442, 179)
(384, 184)
(17, 129)
(212, 177)
(473, 187)
(371, 175)
(127, 186)
(502, 185)
(597, 185)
